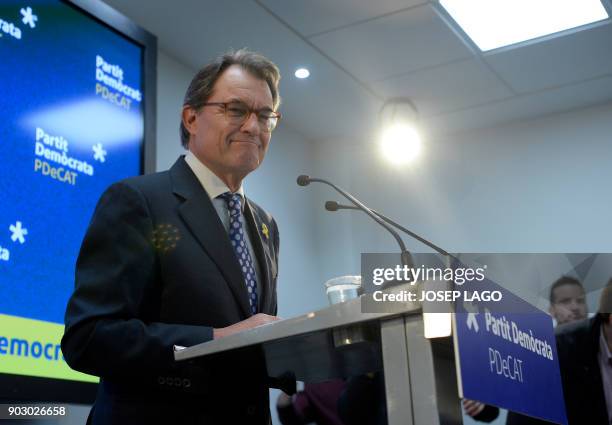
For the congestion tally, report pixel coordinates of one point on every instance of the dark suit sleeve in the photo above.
(514, 418)
(111, 326)
(488, 414)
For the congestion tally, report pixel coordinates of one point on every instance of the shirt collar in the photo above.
(211, 183)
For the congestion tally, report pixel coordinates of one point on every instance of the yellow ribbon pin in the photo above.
(264, 230)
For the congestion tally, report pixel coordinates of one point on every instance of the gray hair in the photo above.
(201, 87)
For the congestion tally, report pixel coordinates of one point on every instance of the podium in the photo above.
(340, 341)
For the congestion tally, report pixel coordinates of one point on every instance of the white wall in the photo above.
(173, 78)
(532, 186)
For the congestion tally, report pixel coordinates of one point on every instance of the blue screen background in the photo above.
(48, 80)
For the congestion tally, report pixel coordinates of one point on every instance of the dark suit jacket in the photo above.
(156, 269)
(578, 349)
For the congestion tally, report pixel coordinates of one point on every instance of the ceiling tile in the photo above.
(315, 16)
(576, 56)
(318, 108)
(584, 94)
(398, 43)
(428, 61)
(326, 107)
(453, 86)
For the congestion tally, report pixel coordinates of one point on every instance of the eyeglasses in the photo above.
(237, 113)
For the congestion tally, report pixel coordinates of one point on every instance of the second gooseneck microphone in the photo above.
(304, 180)
(334, 206)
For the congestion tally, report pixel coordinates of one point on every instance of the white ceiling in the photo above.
(360, 52)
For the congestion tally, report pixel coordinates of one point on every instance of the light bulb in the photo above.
(400, 143)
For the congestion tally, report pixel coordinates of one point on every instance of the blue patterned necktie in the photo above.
(236, 234)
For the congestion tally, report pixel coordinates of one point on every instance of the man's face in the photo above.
(226, 148)
(569, 304)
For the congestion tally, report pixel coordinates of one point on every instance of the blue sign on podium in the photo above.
(507, 355)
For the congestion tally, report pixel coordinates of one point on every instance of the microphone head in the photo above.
(331, 206)
(303, 180)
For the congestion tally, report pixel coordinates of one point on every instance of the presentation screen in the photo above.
(73, 122)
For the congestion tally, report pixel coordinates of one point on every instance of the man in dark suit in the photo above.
(583, 348)
(584, 352)
(182, 257)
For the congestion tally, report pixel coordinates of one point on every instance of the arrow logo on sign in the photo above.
(472, 323)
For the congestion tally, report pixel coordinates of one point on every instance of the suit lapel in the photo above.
(262, 251)
(200, 216)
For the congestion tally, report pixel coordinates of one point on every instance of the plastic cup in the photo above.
(342, 288)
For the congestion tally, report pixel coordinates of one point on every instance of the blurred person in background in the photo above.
(567, 300)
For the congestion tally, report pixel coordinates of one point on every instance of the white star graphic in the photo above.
(28, 17)
(18, 232)
(472, 323)
(99, 152)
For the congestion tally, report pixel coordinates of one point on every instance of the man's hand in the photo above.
(252, 322)
(472, 407)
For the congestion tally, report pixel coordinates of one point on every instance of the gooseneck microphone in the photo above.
(304, 180)
(334, 206)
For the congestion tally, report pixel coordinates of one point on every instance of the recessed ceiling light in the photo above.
(496, 23)
(302, 73)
